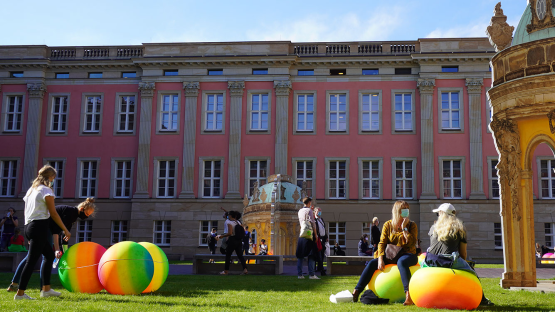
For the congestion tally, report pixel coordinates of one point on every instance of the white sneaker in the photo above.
(314, 277)
(24, 297)
(50, 293)
(301, 277)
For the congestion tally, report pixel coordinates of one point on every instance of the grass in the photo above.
(490, 266)
(246, 293)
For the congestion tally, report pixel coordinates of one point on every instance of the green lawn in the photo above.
(490, 266)
(245, 293)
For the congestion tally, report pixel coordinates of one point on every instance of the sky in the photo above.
(123, 22)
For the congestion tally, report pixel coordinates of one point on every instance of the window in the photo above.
(304, 173)
(337, 72)
(214, 112)
(337, 233)
(169, 113)
(84, 231)
(305, 72)
(95, 75)
(88, 178)
(498, 235)
(212, 179)
(122, 178)
(260, 71)
(367, 229)
(259, 112)
(162, 233)
(62, 75)
(371, 179)
(370, 72)
(215, 72)
(549, 234)
(370, 112)
(257, 173)
(547, 178)
(403, 112)
(449, 69)
(170, 72)
(166, 178)
(119, 231)
(128, 74)
(402, 71)
(14, 114)
(337, 116)
(16, 74)
(126, 114)
(58, 120)
(92, 114)
(8, 178)
(305, 112)
(493, 179)
(452, 179)
(450, 111)
(337, 179)
(205, 229)
(404, 179)
(59, 165)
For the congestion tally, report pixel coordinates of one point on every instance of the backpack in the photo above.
(239, 231)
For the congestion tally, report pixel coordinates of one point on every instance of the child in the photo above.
(263, 248)
(17, 242)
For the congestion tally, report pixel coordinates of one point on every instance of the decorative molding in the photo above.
(36, 89)
(246, 201)
(548, 20)
(255, 192)
(147, 89)
(191, 88)
(296, 195)
(551, 116)
(283, 87)
(236, 88)
(426, 85)
(474, 85)
(500, 33)
(263, 195)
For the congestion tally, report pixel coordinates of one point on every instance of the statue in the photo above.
(499, 32)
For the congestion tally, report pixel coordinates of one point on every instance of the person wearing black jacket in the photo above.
(375, 239)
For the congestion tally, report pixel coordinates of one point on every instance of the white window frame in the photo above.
(250, 111)
(296, 160)
(337, 93)
(96, 114)
(440, 92)
(371, 94)
(550, 177)
(368, 227)
(203, 234)
(498, 235)
(6, 112)
(13, 180)
(87, 231)
(59, 180)
(551, 227)
(261, 180)
(127, 180)
(205, 112)
(202, 162)
(126, 114)
(334, 233)
(61, 114)
(361, 179)
(346, 179)
(161, 112)
(157, 177)
(491, 177)
(165, 234)
(450, 159)
(394, 161)
(214, 112)
(412, 111)
(119, 232)
(80, 167)
(305, 113)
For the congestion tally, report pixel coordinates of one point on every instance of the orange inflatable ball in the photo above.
(388, 284)
(443, 288)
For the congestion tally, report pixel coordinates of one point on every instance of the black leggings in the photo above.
(237, 246)
(37, 232)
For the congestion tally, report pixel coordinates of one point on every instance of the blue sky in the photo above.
(119, 22)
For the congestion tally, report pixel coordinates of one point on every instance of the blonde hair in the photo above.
(449, 226)
(45, 173)
(87, 204)
(374, 220)
(396, 213)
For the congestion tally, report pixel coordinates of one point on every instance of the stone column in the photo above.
(426, 88)
(474, 87)
(283, 89)
(32, 137)
(191, 97)
(143, 161)
(236, 89)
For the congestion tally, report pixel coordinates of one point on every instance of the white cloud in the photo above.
(472, 30)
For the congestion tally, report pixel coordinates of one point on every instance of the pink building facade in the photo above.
(163, 135)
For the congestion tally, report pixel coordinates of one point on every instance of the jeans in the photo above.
(39, 235)
(237, 246)
(311, 266)
(17, 275)
(405, 261)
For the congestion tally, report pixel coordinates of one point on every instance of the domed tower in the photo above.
(272, 214)
(522, 101)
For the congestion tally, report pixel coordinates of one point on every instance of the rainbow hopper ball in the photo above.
(388, 284)
(161, 267)
(78, 268)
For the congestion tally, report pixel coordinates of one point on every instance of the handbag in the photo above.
(327, 252)
(392, 253)
(306, 228)
(318, 244)
(223, 246)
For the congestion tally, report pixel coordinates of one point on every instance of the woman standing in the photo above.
(39, 206)
(399, 231)
(233, 243)
(323, 237)
(306, 247)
